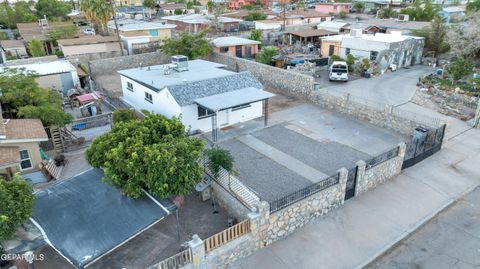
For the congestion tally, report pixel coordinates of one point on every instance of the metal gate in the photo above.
(417, 151)
(351, 183)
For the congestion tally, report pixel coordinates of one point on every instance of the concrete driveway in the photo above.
(394, 88)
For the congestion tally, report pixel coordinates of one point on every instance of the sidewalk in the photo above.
(354, 235)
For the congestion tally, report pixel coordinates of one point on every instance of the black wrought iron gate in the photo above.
(417, 151)
(351, 183)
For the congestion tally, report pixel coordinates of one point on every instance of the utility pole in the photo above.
(112, 2)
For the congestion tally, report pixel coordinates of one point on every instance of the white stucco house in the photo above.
(204, 94)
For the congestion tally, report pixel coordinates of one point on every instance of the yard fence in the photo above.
(303, 193)
(382, 158)
(176, 261)
(227, 235)
(234, 186)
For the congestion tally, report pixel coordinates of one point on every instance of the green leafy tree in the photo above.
(23, 98)
(178, 11)
(343, 14)
(16, 198)
(152, 4)
(3, 36)
(191, 45)
(7, 15)
(266, 54)
(97, 11)
(350, 62)
(421, 11)
(387, 13)
(53, 9)
(435, 36)
(64, 32)
(255, 16)
(359, 7)
(473, 6)
(23, 13)
(123, 115)
(256, 34)
(190, 4)
(335, 57)
(248, 7)
(210, 5)
(459, 68)
(218, 158)
(36, 49)
(153, 154)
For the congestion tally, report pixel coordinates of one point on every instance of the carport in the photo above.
(232, 99)
(84, 218)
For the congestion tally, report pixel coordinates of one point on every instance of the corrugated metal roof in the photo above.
(234, 98)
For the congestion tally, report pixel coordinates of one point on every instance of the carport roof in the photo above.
(234, 98)
(83, 218)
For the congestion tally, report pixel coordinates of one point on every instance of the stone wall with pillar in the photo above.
(287, 220)
(369, 178)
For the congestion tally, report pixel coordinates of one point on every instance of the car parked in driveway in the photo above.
(338, 71)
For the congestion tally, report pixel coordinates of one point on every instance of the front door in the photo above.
(248, 52)
(331, 50)
(238, 51)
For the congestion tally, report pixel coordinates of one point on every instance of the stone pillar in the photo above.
(359, 183)
(198, 251)
(401, 156)
(263, 222)
(388, 109)
(343, 176)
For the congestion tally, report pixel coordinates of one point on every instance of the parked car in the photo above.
(89, 31)
(338, 71)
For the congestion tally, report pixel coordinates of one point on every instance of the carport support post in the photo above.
(214, 127)
(265, 112)
(198, 250)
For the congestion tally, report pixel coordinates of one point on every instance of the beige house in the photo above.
(88, 45)
(331, 46)
(19, 145)
(14, 48)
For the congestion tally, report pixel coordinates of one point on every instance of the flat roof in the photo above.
(134, 25)
(379, 37)
(312, 32)
(154, 76)
(188, 18)
(233, 41)
(234, 98)
(83, 217)
(45, 68)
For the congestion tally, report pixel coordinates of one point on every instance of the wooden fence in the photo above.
(176, 261)
(227, 235)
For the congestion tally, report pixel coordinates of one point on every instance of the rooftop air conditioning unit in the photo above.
(180, 63)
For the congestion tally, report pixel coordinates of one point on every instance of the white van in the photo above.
(338, 71)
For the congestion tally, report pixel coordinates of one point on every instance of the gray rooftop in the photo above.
(233, 98)
(83, 217)
(202, 79)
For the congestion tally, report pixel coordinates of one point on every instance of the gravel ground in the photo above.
(268, 178)
(326, 156)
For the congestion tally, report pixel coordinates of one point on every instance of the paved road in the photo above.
(366, 226)
(394, 88)
(450, 240)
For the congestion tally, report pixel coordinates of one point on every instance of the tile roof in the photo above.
(186, 93)
(9, 156)
(20, 129)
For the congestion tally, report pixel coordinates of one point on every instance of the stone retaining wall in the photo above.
(230, 203)
(84, 59)
(110, 65)
(281, 79)
(368, 179)
(287, 220)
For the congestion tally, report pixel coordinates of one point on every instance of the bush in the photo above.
(123, 115)
(266, 54)
(350, 62)
(59, 54)
(343, 14)
(336, 58)
(219, 158)
(459, 68)
(255, 16)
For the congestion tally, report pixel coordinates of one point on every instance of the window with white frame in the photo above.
(26, 161)
(129, 86)
(203, 112)
(148, 97)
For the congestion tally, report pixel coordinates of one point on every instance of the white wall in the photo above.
(361, 47)
(129, 41)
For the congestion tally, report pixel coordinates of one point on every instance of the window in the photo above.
(153, 32)
(373, 55)
(148, 97)
(26, 161)
(129, 86)
(223, 49)
(347, 51)
(203, 112)
(240, 107)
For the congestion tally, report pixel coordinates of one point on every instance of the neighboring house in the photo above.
(451, 14)
(238, 4)
(39, 31)
(141, 33)
(134, 12)
(59, 75)
(236, 46)
(384, 49)
(19, 145)
(334, 26)
(194, 23)
(299, 17)
(14, 48)
(335, 8)
(120, 3)
(169, 9)
(304, 37)
(387, 26)
(268, 25)
(88, 45)
(202, 93)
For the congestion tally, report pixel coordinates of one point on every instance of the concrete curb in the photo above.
(405, 235)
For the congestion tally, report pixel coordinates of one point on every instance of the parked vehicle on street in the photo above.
(338, 71)
(89, 31)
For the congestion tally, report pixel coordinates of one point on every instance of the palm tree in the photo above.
(98, 11)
